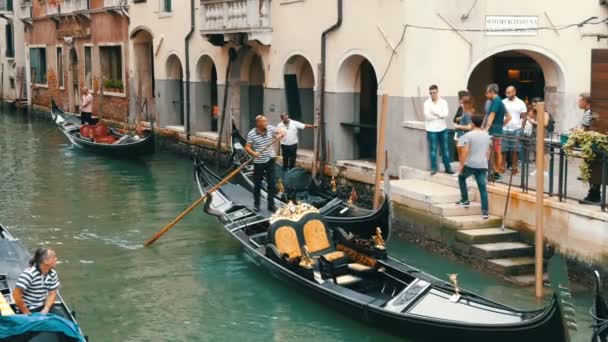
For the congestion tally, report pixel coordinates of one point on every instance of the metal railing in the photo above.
(235, 15)
(112, 3)
(70, 6)
(558, 180)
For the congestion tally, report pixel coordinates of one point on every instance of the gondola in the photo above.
(105, 140)
(599, 313)
(356, 276)
(58, 327)
(300, 187)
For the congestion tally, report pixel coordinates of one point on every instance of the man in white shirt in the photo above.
(289, 144)
(435, 112)
(516, 110)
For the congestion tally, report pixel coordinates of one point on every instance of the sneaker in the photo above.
(590, 200)
(433, 172)
(497, 177)
(463, 203)
(484, 215)
(450, 172)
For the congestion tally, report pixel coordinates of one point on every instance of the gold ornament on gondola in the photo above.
(353, 196)
(333, 184)
(280, 186)
(293, 212)
(306, 260)
(454, 280)
(378, 240)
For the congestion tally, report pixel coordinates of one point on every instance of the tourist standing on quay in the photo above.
(474, 162)
(36, 288)
(532, 118)
(458, 117)
(435, 112)
(517, 109)
(589, 119)
(86, 109)
(289, 143)
(464, 123)
(494, 122)
(263, 165)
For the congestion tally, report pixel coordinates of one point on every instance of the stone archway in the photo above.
(299, 81)
(172, 93)
(205, 102)
(357, 106)
(537, 73)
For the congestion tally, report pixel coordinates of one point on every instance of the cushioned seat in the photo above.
(286, 240)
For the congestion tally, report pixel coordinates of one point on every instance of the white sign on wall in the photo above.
(511, 25)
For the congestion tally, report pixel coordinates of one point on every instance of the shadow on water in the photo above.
(195, 284)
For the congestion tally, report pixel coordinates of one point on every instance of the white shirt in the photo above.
(435, 123)
(515, 107)
(291, 131)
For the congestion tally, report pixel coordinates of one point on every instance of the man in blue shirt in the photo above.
(494, 122)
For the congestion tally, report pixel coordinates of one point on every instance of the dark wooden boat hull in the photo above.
(126, 150)
(540, 325)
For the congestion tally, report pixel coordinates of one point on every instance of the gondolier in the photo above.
(86, 110)
(36, 288)
(263, 164)
(289, 143)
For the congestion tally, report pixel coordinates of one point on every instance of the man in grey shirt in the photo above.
(474, 162)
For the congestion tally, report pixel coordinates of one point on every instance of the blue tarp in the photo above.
(21, 324)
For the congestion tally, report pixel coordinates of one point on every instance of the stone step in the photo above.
(512, 266)
(471, 222)
(424, 191)
(501, 250)
(487, 235)
(452, 209)
(526, 280)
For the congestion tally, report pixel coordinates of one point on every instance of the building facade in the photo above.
(391, 47)
(76, 44)
(12, 52)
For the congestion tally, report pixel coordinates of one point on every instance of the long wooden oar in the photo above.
(45, 134)
(202, 198)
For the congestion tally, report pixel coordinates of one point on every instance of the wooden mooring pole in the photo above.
(540, 191)
(380, 150)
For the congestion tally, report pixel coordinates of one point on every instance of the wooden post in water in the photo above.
(380, 150)
(540, 191)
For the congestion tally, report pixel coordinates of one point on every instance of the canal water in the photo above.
(194, 284)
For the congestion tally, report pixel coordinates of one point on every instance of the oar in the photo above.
(45, 134)
(202, 198)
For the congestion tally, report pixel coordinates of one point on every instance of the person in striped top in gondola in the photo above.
(36, 288)
(263, 164)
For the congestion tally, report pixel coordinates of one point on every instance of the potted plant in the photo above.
(115, 86)
(588, 143)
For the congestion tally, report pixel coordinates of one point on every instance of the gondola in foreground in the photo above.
(100, 138)
(59, 326)
(356, 276)
(599, 313)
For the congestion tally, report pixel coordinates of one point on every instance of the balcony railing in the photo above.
(25, 12)
(111, 3)
(70, 6)
(234, 16)
(6, 5)
(52, 9)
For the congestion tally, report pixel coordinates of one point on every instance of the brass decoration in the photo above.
(280, 186)
(378, 240)
(306, 260)
(334, 185)
(353, 196)
(293, 212)
(454, 280)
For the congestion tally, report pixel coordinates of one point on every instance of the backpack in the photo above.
(551, 124)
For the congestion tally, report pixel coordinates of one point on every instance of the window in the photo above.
(88, 67)
(166, 6)
(60, 75)
(111, 67)
(10, 41)
(38, 65)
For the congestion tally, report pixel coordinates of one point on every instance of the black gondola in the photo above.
(599, 313)
(334, 209)
(121, 145)
(14, 259)
(357, 277)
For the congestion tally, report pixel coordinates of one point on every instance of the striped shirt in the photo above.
(588, 119)
(36, 286)
(260, 141)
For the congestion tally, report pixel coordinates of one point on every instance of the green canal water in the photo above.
(195, 284)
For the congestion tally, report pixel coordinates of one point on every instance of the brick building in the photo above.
(72, 44)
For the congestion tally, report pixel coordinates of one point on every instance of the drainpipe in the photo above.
(322, 90)
(187, 48)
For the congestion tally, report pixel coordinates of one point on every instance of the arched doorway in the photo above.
(144, 69)
(533, 73)
(358, 87)
(299, 94)
(205, 104)
(256, 89)
(174, 92)
(74, 90)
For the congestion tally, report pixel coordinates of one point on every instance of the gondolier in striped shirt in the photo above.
(263, 164)
(36, 288)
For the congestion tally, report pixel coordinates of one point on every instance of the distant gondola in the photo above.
(14, 259)
(599, 313)
(356, 276)
(304, 189)
(109, 143)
